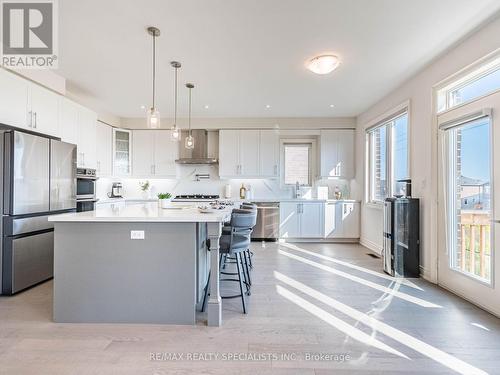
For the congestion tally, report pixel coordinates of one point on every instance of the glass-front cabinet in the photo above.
(122, 155)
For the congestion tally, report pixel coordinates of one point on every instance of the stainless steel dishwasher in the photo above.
(268, 221)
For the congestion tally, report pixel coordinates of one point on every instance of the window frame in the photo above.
(312, 159)
(388, 121)
(470, 74)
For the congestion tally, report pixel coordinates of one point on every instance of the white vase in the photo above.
(164, 203)
(145, 195)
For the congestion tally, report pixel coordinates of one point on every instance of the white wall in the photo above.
(423, 159)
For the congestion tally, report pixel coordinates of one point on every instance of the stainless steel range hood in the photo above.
(199, 154)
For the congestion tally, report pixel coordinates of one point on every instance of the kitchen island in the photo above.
(136, 263)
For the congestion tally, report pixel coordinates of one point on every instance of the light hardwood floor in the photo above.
(306, 298)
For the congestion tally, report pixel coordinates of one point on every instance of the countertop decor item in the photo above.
(164, 199)
(145, 189)
(243, 191)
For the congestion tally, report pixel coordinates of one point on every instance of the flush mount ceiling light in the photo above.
(323, 64)
(175, 135)
(153, 115)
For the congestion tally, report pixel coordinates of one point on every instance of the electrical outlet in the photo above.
(136, 234)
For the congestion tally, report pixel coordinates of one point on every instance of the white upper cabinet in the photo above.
(248, 153)
(337, 153)
(104, 149)
(45, 110)
(78, 125)
(229, 153)
(143, 155)
(122, 152)
(14, 100)
(68, 120)
(269, 153)
(26, 105)
(86, 138)
(154, 154)
(165, 154)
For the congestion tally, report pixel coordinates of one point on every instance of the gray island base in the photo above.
(103, 273)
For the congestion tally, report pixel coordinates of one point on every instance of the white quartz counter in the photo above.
(304, 200)
(145, 212)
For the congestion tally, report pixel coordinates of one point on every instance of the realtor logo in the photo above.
(29, 34)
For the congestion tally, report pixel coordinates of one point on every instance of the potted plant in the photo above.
(145, 189)
(164, 199)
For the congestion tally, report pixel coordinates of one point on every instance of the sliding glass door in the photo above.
(469, 143)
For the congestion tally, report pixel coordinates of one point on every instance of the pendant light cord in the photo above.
(154, 69)
(189, 118)
(175, 99)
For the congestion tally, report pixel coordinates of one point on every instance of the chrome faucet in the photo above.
(297, 190)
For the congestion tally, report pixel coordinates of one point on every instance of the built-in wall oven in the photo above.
(86, 180)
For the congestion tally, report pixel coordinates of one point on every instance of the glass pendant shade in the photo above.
(175, 134)
(153, 119)
(189, 143)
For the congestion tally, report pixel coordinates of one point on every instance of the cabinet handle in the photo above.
(30, 114)
(35, 119)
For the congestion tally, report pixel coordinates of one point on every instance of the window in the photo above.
(387, 156)
(297, 163)
(481, 81)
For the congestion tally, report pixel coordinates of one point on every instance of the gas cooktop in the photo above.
(196, 197)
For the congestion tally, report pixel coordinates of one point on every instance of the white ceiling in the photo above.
(243, 55)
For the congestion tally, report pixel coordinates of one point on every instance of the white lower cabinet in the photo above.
(342, 220)
(301, 220)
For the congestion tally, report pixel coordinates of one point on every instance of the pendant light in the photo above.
(189, 143)
(153, 115)
(175, 134)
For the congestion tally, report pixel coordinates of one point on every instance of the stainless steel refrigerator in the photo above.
(38, 179)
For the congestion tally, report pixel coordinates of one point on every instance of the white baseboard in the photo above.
(425, 274)
(371, 245)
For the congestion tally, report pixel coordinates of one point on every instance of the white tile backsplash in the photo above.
(187, 184)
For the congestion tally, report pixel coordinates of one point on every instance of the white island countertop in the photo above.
(146, 212)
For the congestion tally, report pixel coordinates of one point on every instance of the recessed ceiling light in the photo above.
(143, 106)
(332, 105)
(268, 106)
(323, 64)
(206, 106)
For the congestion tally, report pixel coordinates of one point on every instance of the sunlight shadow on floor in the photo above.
(336, 322)
(395, 334)
(401, 295)
(353, 266)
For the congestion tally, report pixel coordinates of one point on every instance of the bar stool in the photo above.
(252, 207)
(248, 254)
(235, 243)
